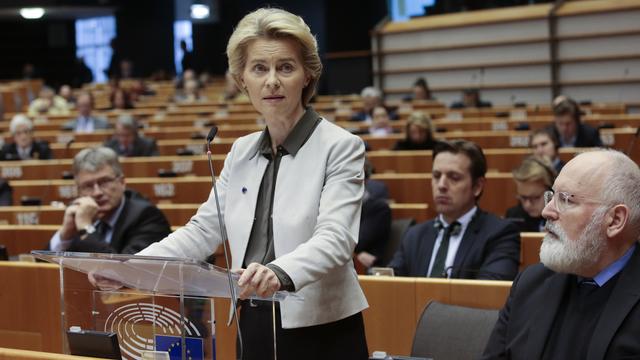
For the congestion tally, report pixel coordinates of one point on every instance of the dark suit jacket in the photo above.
(39, 150)
(523, 220)
(375, 226)
(6, 193)
(376, 189)
(142, 146)
(527, 318)
(586, 136)
(140, 223)
(489, 250)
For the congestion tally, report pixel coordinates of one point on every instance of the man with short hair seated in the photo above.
(86, 122)
(106, 217)
(24, 146)
(127, 142)
(583, 300)
(462, 241)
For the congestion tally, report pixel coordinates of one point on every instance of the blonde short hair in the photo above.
(420, 119)
(536, 169)
(270, 23)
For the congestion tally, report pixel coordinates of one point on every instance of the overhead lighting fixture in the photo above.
(199, 10)
(32, 13)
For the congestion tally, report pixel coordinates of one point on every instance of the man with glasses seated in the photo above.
(106, 217)
(533, 177)
(583, 300)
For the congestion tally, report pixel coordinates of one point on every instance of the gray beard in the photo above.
(574, 256)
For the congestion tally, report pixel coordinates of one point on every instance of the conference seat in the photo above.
(452, 332)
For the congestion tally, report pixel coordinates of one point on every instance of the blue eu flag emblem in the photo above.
(173, 345)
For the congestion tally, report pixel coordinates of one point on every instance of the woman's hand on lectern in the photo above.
(258, 279)
(103, 283)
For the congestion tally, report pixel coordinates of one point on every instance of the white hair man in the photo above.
(24, 146)
(582, 301)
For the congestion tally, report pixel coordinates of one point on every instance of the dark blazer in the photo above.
(39, 150)
(6, 193)
(523, 220)
(376, 189)
(527, 318)
(586, 136)
(98, 123)
(489, 250)
(375, 227)
(140, 223)
(142, 146)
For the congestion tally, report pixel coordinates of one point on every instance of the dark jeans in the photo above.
(342, 339)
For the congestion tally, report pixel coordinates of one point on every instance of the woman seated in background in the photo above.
(381, 122)
(545, 144)
(533, 177)
(420, 91)
(419, 133)
(24, 147)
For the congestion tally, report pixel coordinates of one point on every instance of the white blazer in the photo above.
(316, 218)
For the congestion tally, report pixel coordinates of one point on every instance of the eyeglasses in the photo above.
(564, 200)
(104, 184)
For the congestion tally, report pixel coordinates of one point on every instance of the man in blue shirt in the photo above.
(582, 301)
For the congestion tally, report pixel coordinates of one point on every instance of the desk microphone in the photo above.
(445, 272)
(223, 235)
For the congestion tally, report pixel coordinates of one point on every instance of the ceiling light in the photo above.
(32, 13)
(199, 11)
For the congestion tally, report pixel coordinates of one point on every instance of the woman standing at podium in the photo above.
(291, 198)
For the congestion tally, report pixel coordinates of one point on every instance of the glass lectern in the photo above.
(159, 304)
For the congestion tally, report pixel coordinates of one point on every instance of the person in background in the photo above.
(582, 301)
(24, 147)
(463, 241)
(66, 93)
(533, 177)
(381, 123)
(127, 142)
(292, 220)
(420, 91)
(568, 127)
(375, 224)
(419, 133)
(187, 57)
(545, 143)
(371, 97)
(120, 99)
(85, 122)
(191, 93)
(48, 103)
(106, 217)
(470, 99)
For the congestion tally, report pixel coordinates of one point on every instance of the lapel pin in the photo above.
(244, 190)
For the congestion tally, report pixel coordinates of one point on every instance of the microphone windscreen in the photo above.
(212, 133)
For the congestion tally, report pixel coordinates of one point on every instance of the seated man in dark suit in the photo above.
(568, 127)
(106, 217)
(462, 241)
(583, 300)
(533, 177)
(24, 147)
(127, 142)
(86, 122)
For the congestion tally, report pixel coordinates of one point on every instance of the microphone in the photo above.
(225, 238)
(212, 134)
(445, 273)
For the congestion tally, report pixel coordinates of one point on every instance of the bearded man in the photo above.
(583, 300)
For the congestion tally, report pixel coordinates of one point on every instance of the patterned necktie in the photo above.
(438, 269)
